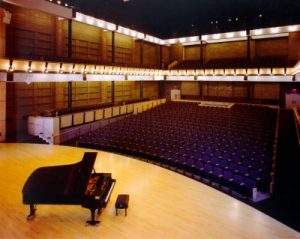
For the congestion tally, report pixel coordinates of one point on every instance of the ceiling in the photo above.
(177, 18)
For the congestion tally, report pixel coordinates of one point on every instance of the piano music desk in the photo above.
(122, 203)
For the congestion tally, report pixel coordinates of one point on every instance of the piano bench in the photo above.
(122, 203)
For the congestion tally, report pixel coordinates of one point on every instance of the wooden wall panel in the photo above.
(293, 44)
(86, 41)
(106, 47)
(165, 56)
(252, 49)
(61, 94)
(123, 49)
(27, 99)
(150, 55)
(137, 53)
(190, 88)
(239, 90)
(124, 41)
(192, 52)
(176, 53)
(31, 34)
(90, 93)
(271, 47)
(151, 89)
(124, 90)
(225, 89)
(226, 50)
(268, 91)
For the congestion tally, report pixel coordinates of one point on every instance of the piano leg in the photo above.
(92, 222)
(99, 210)
(32, 212)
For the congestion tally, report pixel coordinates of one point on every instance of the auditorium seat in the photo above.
(231, 147)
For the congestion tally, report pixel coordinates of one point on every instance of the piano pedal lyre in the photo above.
(32, 212)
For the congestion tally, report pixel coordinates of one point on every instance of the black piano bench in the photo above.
(122, 203)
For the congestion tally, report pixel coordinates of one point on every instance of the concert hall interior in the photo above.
(189, 107)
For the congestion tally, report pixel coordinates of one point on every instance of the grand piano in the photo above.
(75, 184)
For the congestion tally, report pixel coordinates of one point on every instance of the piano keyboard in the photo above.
(109, 192)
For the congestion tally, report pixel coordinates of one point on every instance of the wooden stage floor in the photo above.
(162, 204)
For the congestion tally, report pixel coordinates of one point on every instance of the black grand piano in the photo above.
(75, 184)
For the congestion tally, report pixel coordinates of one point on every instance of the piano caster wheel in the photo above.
(92, 223)
(30, 217)
(32, 213)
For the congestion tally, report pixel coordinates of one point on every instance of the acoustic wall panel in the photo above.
(78, 118)
(89, 116)
(107, 113)
(66, 121)
(99, 114)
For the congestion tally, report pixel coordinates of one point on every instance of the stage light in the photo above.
(216, 36)
(243, 33)
(292, 28)
(182, 40)
(258, 31)
(229, 34)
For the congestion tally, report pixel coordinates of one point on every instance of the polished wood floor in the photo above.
(162, 204)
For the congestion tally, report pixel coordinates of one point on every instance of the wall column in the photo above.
(113, 92)
(70, 94)
(70, 46)
(201, 53)
(113, 59)
(141, 54)
(201, 89)
(161, 86)
(59, 37)
(141, 90)
(248, 48)
(160, 57)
